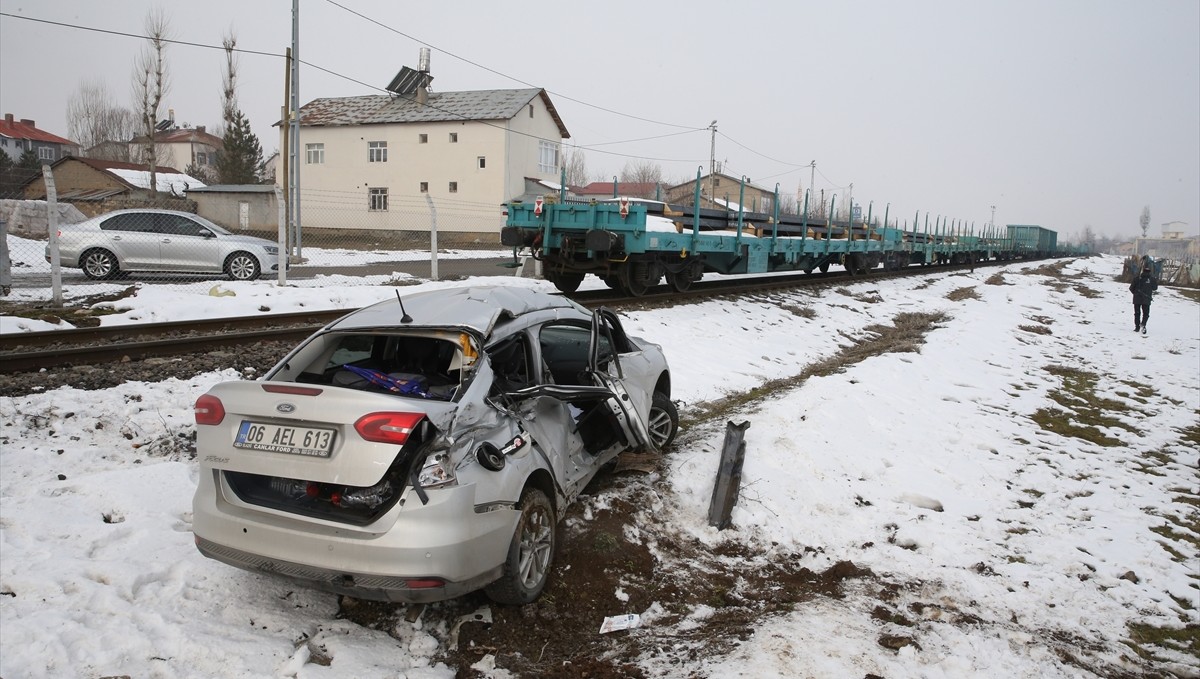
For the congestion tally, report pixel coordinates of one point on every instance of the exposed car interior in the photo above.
(408, 365)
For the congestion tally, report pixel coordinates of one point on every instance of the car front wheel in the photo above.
(242, 266)
(529, 556)
(664, 421)
(99, 264)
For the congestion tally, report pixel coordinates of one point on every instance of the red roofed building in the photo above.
(19, 136)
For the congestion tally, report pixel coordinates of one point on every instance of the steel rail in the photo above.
(23, 352)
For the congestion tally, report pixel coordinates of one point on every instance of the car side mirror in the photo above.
(205, 233)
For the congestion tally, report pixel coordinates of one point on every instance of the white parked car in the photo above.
(161, 241)
(425, 447)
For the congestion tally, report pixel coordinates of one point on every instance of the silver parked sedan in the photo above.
(425, 447)
(161, 241)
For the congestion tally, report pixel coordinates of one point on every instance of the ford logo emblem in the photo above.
(285, 408)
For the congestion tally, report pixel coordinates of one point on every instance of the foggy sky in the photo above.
(1062, 113)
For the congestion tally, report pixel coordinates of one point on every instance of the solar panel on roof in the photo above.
(407, 81)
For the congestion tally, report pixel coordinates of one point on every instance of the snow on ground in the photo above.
(923, 467)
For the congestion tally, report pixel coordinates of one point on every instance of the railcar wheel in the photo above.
(638, 277)
(566, 281)
(530, 554)
(824, 267)
(680, 282)
(613, 282)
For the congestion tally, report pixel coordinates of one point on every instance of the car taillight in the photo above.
(387, 427)
(424, 583)
(209, 410)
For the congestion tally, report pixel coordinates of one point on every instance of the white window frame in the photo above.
(453, 137)
(314, 154)
(481, 162)
(45, 153)
(547, 156)
(377, 199)
(377, 152)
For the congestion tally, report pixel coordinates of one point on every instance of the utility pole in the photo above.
(294, 125)
(812, 177)
(712, 165)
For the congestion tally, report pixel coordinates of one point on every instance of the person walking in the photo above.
(1143, 288)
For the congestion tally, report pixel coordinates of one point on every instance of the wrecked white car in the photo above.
(425, 447)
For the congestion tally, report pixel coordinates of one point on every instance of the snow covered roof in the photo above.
(176, 183)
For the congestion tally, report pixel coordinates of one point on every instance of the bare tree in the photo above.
(93, 118)
(150, 84)
(642, 172)
(229, 82)
(576, 164)
(1088, 238)
(1145, 220)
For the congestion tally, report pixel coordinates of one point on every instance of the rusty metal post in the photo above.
(729, 476)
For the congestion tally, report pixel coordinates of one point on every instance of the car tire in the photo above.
(663, 422)
(99, 264)
(242, 266)
(530, 554)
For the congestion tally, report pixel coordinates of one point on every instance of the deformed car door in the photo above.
(631, 402)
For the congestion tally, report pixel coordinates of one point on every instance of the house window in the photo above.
(45, 153)
(482, 162)
(314, 154)
(424, 187)
(422, 139)
(453, 187)
(531, 110)
(377, 151)
(453, 137)
(377, 199)
(547, 156)
(201, 158)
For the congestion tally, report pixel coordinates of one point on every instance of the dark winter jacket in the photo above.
(1143, 288)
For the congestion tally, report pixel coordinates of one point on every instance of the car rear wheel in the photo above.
(663, 422)
(529, 556)
(242, 266)
(99, 264)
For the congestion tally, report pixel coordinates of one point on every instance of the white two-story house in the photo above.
(396, 162)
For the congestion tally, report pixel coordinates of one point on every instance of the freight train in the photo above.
(633, 244)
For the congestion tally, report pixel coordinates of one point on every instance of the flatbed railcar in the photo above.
(632, 244)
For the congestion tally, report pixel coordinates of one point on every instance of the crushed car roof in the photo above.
(476, 308)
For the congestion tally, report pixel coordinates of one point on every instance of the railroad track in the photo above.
(24, 352)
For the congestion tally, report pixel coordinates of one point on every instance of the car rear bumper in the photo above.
(359, 585)
(445, 540)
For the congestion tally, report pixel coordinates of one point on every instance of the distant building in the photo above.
(249, 207)
(96, 186)
(394, 162)
(723, 191)
(180, 147)
(19, 136)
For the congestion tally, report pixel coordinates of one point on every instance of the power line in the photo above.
(502, 75)
(187, 43)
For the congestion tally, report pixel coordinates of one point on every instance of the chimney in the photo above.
(171, 116)
(27, 121)
(8, 118)
(200, 129)
(423, 82)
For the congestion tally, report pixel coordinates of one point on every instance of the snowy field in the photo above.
(927, 468)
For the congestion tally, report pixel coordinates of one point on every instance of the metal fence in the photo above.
(234, 237)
